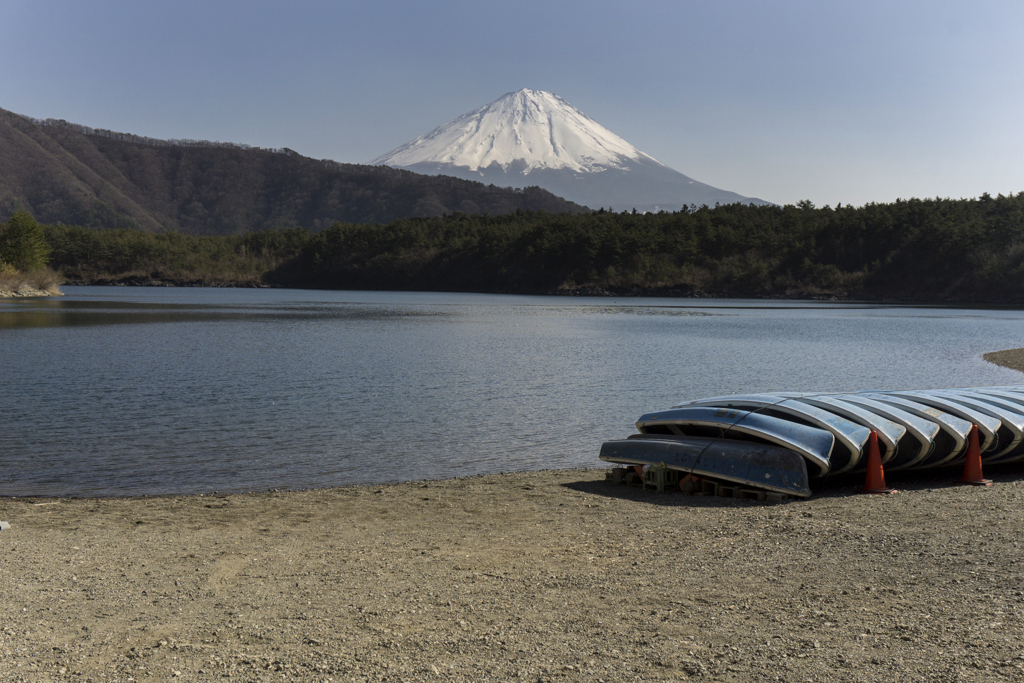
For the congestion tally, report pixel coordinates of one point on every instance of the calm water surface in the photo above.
(125, 391)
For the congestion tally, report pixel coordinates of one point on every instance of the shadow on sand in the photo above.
(833, 487)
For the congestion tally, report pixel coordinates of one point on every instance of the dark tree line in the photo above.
(926, 250)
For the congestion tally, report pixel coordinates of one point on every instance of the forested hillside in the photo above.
(65, 173)
(921, 250)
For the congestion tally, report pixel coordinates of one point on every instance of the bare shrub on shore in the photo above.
(46, 280)
(40, 279)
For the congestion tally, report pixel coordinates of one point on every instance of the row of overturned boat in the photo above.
(781, 441)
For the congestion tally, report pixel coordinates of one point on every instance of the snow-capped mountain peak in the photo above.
(532, 137)
(531, 129)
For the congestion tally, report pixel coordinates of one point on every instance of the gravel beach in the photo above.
(536, 576)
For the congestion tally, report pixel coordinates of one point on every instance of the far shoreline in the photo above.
(581, 291)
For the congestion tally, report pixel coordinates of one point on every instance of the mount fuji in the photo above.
(532, 137)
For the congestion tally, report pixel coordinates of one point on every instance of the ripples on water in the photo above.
(114, 391)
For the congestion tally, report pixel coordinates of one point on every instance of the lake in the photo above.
(130, 391)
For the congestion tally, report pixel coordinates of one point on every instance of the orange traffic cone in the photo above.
(972, 467)
(875, 481)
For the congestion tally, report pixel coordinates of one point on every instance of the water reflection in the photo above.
(54, 312)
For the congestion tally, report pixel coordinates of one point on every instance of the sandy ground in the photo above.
(539, 576)
(1011, 358)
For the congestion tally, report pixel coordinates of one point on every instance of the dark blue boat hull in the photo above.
(743, 462)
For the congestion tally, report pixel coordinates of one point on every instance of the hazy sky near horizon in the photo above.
(787, 100)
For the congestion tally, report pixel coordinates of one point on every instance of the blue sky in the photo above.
(832, 102)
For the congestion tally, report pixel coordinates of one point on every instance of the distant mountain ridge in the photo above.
(532, 137)
(66, 173)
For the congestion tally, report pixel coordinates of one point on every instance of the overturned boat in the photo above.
(779, 442)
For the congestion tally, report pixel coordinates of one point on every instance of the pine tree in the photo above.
(22, 243)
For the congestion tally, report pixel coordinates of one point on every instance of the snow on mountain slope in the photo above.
(538, 129)
(531, 137)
